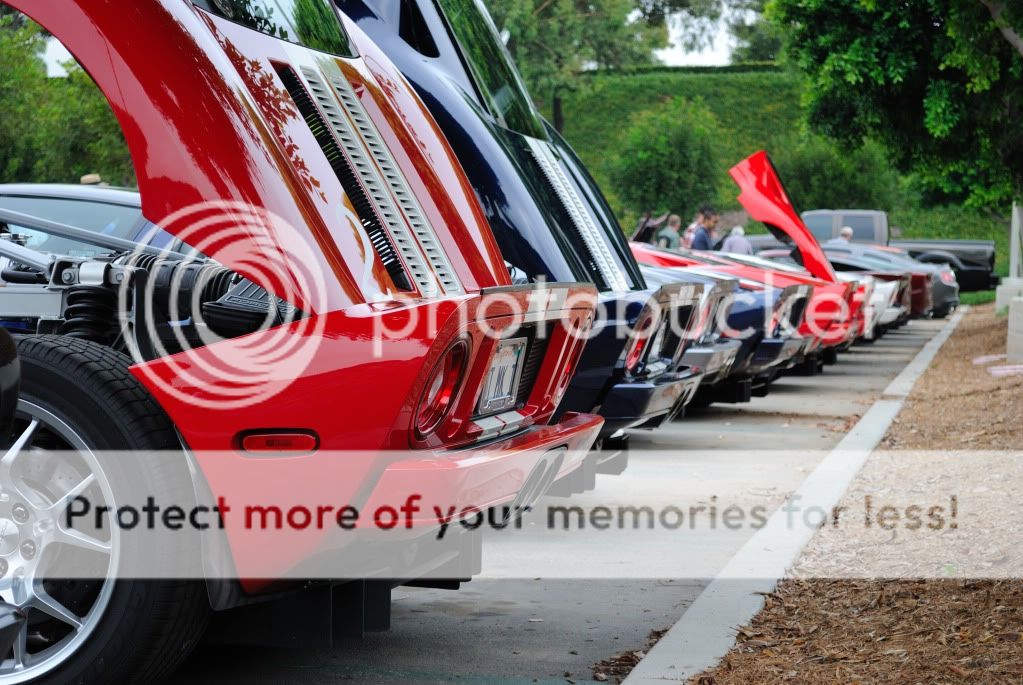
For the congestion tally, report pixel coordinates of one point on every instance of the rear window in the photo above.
(819, 225)
(310, 23)
(106, 219)
(862, 226)
(491, 66)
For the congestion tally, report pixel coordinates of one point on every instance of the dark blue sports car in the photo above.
(541, 204)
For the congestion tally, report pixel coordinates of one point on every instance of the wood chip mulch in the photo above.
(906, 632)
(931, 632)
(958, 404)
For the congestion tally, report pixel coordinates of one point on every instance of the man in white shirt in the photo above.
(844, 236)
(737, 242)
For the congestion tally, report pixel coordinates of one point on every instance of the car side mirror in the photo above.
(896, 232)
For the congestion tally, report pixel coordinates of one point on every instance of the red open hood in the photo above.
(322, 178)
(764, 197)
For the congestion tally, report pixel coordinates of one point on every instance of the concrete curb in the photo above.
(706, 631)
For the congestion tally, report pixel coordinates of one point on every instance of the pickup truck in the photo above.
(972, 260)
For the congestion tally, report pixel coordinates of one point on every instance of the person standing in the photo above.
(737, 242)
(707, 221)
(687, 235)
(670, 236)
(844, 237)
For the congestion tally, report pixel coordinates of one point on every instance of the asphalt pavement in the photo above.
(546, 610)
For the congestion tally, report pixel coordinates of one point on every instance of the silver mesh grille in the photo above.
(385, 184)
(587, 228)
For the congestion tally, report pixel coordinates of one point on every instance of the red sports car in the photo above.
(832, 315)
(337, 327)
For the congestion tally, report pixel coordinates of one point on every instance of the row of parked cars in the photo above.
(358, 264)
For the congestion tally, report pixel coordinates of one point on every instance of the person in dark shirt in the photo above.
(707, 221)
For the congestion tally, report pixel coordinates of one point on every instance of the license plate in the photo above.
(501, 387)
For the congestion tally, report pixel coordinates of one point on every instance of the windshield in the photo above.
(491, 67)
(311, 23)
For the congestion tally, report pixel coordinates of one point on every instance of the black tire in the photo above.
(149, 626)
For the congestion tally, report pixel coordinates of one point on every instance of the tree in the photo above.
(22, 83)
(16, 18)
(758, 40)
(77, 133)
(818, 175)
(938, 82)
(54, 129)
(668, 160)
(552, 41)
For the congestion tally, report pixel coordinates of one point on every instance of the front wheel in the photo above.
(78, 404)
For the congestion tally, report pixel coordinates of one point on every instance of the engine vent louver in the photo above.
(349, 180)
(602, 264)
(391, 177)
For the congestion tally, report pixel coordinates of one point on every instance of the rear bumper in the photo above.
(513, 471)
(946, 307)
(773, 352)
(637, 402)
(890, 315)
(714, 360)
(944, 297)
(610, 458)
(489, 476)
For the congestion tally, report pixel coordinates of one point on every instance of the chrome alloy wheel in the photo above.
(60, 578)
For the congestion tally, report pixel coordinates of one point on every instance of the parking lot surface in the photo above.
(572, 611)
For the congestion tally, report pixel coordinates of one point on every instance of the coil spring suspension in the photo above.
(91, 314)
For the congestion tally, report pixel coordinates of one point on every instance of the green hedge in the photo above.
(754, 107)
(744, 68)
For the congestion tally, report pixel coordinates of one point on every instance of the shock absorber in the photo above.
(91, 314)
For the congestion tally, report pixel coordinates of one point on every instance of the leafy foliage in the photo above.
(756, 108)
(55, 129)
(819, 175)
(22, 76)
(668, 160)
(938, 82)
(758, 40)
(551, 41)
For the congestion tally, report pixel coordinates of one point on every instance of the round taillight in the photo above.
(441, 389)
(640, 339)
